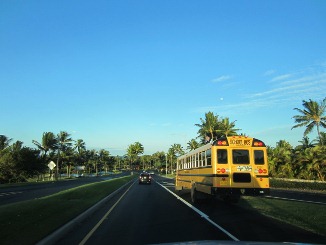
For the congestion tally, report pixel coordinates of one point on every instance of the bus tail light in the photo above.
(222, 143)
(258, 143)
(262, 171)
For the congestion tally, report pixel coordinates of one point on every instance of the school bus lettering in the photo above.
(240, 142)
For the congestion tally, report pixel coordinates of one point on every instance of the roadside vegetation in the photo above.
(296, 184)
(19, 163)
(308, 216)
(29, 221)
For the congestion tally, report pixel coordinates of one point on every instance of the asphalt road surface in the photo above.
(31, 191)
(150, 214)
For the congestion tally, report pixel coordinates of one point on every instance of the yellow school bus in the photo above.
(227, 167)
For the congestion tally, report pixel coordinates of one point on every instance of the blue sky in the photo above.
(116, 72)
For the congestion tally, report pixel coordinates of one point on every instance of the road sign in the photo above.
(51, 165)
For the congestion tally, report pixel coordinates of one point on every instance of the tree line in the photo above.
(305, 161)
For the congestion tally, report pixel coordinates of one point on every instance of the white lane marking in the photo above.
(10, 193)
(296, 200)
(203, 215)
(167, 183)
(103, 218)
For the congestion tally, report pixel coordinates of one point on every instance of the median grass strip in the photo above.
(308, 216)
(297, 184)
(28, 222)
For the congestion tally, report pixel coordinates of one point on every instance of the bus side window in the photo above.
(259, 157)
(222, 156)
(208, 157)
(202, 159)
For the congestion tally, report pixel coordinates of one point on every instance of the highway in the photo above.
(147, 214)
(150, 214)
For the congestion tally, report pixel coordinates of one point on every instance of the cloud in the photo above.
(281, 77)
(221, 78)
(269, 72)
(285, 90)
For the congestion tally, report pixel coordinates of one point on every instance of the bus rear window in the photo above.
(259, 157)
(222, 156)
(240, 156)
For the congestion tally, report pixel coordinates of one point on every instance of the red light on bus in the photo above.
(260, 171)
(221, 142)
(258, 143)
(265, 171)
(223, 170)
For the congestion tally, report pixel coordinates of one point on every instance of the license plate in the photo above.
(244, 168)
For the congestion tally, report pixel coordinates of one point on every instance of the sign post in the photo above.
(51, 166)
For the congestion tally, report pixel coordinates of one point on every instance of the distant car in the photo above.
(145, 178)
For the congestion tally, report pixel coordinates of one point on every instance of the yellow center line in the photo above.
(103, 218)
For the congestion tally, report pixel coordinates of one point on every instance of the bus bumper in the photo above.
(240, 191)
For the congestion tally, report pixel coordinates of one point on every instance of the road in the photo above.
(31, 191)
(147, 214)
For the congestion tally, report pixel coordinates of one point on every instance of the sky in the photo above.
(115, 72)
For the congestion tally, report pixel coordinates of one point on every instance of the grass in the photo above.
(298, 184)
(29, 221)
(305, 215)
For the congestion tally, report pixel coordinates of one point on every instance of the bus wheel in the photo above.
(194, 194)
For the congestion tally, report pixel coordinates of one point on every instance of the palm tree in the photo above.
(174, 151)
(103, 156)
(138, 148)
(49, 142)
(63, 140)
(93, 158)
(192, 145)
(4, 142)
(17, 146)
(322, 139)
(159, 159)
(146, 160)
(80, 146)
(312, 162)
(312, 115)
(134, 150)
(227, 128)
(305, 143)
(208, 127)
(280, 159)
